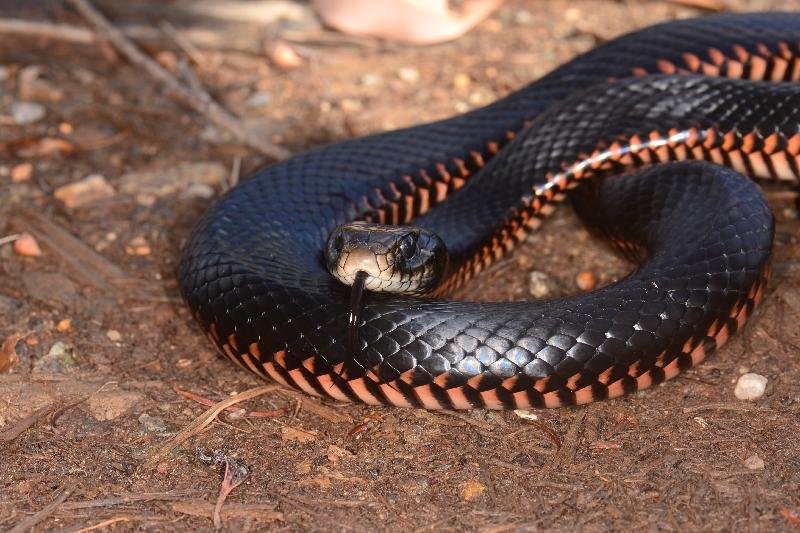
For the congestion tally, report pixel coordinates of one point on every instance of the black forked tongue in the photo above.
(356, 305)
(354, 322)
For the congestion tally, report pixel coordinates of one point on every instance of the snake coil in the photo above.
(719, 89)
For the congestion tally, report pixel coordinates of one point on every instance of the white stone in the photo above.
(27, 112)
(754, 462)
(750, 386)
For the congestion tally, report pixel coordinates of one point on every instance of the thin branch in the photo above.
(204, 420)
(47, 30)
(200, 101)
(197, 37)
(28, 523)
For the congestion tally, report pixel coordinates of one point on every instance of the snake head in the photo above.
(404, 259)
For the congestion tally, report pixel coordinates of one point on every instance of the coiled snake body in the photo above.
(721, 89)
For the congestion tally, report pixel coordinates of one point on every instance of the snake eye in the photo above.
(408, 245)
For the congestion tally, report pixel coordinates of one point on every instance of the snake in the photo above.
(649, 136)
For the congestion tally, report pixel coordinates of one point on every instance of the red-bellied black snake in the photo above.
(720, 89)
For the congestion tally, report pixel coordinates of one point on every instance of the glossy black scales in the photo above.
(253, 275)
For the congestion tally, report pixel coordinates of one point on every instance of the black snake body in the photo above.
(710, 89)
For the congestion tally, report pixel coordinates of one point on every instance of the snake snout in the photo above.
(394, 258)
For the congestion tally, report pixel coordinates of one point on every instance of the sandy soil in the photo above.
(109, 346)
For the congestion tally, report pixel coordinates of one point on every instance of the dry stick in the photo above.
(140, 33)
(200, 101)
(175, 495)
(48, 30)
(204, 420)
(183, 43)
(18, 428)
(28, 523)
(104, 523)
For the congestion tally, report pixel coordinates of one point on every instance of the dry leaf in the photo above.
(8, 352)
(791, 517)
(335, 453)
(300, 435)
(42, 146)
(472, 489)
(21, 172)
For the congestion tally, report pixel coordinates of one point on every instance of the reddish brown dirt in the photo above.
(679, 457)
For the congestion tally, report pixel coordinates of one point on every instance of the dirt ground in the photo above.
(109, 350)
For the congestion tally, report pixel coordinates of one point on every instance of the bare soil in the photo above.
(108, 344)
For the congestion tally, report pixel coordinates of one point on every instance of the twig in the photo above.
(199, 101)
(204, 509)
(313, 406)
(141, 33)
(569, 445)
(10, 238)
(707, 5)
(204, 420)
(233, 178)
(48, 30)
(23, 424)
(91, 267)
(546, 430)
(469, 420)
(723, 407)
(183, 43)
(28, 523)
(235, 411)
(174, 495)
(535, 471)
(104, 523)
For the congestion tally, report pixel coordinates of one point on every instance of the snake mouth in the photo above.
(400, 259)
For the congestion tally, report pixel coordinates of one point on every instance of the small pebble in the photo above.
(21, 172)
(114, 335)
(371, 80)
(285, 57)
(408, 74)
(259, 99)
(750, 386)
(64, 325)
(573, 14)
(523, 17)
(151, 424)
(539, 284)
(108, 405)
(27, 246)
(25, 113)
(167, 59)
(138, 246)
(461, 106)
(754, 462)
(58, 360)
(525, 414)
(32, 87)
(199, 190)
(461, 81)
(350, 105)
(89, 190)
(586, 280)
